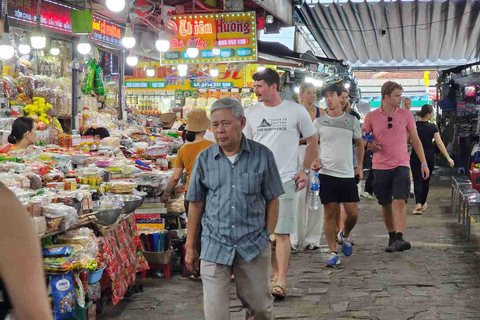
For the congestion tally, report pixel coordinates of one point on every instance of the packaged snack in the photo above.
(89, 76)
(63, 296)
(98, 81)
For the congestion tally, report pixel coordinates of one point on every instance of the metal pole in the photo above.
(75, 92)
(121, 76)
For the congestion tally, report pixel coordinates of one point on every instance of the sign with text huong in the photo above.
(234, 33)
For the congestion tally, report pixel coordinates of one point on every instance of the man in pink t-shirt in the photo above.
(391, 126)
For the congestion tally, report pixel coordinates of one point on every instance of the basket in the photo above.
(95, 276)
(154, 258)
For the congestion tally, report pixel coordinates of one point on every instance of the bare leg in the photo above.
(331, 211)
(351, 212)
(283, 253)
(340, 217)
(274, 263)
(400, 215)
(387, 214)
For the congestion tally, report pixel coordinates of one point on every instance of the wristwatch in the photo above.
(271, 237)
(307, 171)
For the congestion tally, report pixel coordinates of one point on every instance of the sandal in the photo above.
(278, 292)
(195, 278)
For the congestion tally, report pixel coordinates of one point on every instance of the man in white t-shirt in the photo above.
(336, 129)
(278, 125)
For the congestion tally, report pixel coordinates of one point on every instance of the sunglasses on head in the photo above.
(390, 125)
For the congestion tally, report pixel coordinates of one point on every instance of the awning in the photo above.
(396, 33)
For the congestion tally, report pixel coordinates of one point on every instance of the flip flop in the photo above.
(278, 292)
(195, 278)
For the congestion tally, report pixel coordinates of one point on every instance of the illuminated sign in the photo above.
(235, 32)
(56, 16)
(166, 77)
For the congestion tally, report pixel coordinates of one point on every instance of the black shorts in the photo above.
(339, 190)
(391, 184)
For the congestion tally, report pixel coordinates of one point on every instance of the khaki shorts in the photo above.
(286, 218)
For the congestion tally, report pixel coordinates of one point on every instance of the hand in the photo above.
(425, 172)
(359, 172)
(374, 146)
(301, 180)
(192, 260)
(164, 197)
(302, 141)
(316, 166)
(451, 163)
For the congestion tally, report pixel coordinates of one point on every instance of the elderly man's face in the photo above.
(227, 129)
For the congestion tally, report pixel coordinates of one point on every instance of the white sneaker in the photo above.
(366, 195)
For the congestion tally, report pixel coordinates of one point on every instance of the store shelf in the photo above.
(83, 221)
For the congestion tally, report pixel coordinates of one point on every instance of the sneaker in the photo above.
(418, 210)
(391, 246)
(333, 260)
(312, 246)
(347, 245)
(402, 245)
(339, 239)
(366, 195)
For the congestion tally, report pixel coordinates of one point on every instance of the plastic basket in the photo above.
(95, 276)
(154, 258)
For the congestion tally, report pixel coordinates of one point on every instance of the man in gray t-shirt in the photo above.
(336, 130)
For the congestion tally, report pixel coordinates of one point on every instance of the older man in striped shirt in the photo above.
(234, 190)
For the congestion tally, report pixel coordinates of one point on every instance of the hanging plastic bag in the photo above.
(98, 82)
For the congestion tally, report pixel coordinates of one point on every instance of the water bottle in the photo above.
(313, 197)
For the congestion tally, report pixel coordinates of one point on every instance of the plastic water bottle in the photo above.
(313, 197)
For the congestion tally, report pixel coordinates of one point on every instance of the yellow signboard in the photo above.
(250, 70)
(233, 33)
(166, 77)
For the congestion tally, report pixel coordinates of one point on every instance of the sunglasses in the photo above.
(390, 125)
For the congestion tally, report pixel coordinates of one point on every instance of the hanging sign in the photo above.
(166, 77)
(56, 16)
(236, 34)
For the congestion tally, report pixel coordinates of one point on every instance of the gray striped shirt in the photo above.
(235, 196)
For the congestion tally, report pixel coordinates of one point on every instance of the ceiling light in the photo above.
(216, 51)
(214, 72)
(192, 50)
(162, 43)
(269, 19)
(6, 49)
(260, 68)
(347, 85)
(54, 51)
(38, 39)
(182, 73)
(115, 5)
(132, 60)
(128, 40)
(182, 70)
(150, 72)
(23, 48)
(297, 89)
(83, 45)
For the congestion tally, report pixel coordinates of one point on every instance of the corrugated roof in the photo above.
(415, 32)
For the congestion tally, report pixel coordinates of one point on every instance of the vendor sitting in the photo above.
(24, 133)
(97, 132)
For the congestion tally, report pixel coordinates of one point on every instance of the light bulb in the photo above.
(260, 68)
(115, 5)
(128, 40)
(132, 61)
(38, 40)
(83, 45)
(24, 48)
(182, 73)
(162, 43)
(216, 51)
(297, 89)
(6, 49)
(214, 72)
(182, 67)
(54, 51)
(150, 72)
(192, 50)
(347, 85)
(269, 19)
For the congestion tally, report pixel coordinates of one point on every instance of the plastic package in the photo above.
(94, 291)
(63, 296)
(40, 224)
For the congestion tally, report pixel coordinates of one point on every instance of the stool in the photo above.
(455, 180)
(460, 184)
(473, 209)
(464, 194)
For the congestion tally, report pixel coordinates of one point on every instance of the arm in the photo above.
(360, 154)
(21, 267)
(247, 131)
(172, 183)
(195, 213)
(443, 150)
(311, 154)
(418, 147)
(272, 215)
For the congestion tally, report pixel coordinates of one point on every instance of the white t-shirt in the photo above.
(279, 129)
(335, 135)
(233, 158)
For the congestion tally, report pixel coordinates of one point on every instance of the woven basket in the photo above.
(154, 258)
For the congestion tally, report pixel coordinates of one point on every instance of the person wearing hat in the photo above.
(197, 125)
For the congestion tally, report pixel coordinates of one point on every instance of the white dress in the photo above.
(308, 223)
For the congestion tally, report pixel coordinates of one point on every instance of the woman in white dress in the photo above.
(309, 223)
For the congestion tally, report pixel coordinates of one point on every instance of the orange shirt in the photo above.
(188, 154)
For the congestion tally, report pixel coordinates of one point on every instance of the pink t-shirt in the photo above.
(394, 152)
